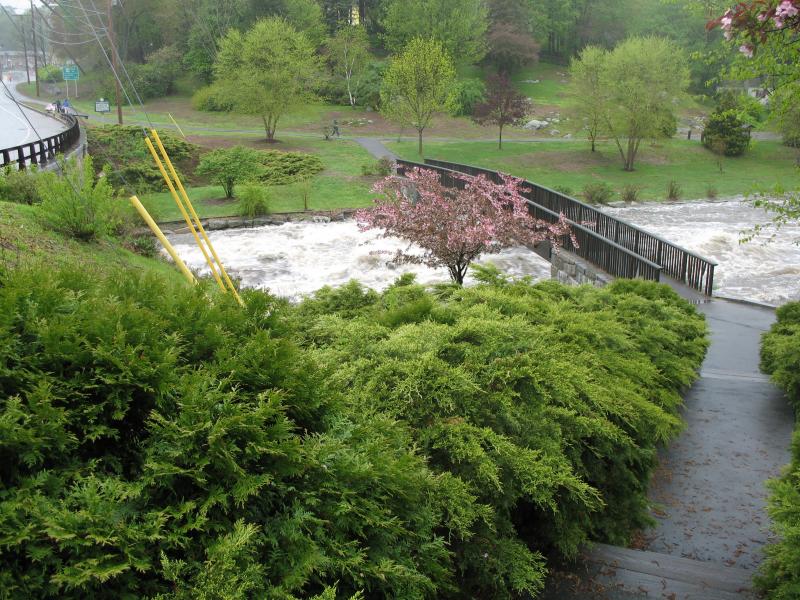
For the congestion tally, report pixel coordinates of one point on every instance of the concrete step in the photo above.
(626, 573)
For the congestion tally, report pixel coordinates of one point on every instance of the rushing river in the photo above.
(295, 259)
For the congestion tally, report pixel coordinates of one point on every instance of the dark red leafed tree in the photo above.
(504, 105)
(455, 225)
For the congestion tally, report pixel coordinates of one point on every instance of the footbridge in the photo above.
(619, 248)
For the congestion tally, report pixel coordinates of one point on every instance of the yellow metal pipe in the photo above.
(174, 122)
(162, 238)
(194, 215)
(184, 213)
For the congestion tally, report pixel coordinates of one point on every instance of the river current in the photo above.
(295, 259)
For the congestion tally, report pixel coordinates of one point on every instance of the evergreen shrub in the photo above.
(726, 133)
(546, 402)
(159, 441)
(780, 358)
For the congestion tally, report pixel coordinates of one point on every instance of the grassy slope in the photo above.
(340, 185)
(23, 240)
(572, 165)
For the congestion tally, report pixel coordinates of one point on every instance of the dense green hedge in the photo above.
(121, 152)
(159, 441)
(547, 402)
(780, 357)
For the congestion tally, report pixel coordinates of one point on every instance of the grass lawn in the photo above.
(25, 240)
(572, 165)
(340, 185)
(551, 89)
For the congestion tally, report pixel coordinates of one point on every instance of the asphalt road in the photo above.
(15, 129)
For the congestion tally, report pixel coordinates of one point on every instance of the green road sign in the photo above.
(70, 73)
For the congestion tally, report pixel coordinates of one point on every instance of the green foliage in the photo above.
(381, 167)
(674, 191)
(268, 71)
(159, 441)
(419, 83)
(281, 168)
(498, 385)
(726, 134)
(785, 103)
(368, 92)
(19, 186)
(458, 25)
(630, 193)
(348, 52)
(79, 204)
(211, 99)
(253, 200)
(629, 92)
(780, 358)
(469, 92)
(156, 77)
(50, 74)
(229, 166)
(598, 193)
(120, 152)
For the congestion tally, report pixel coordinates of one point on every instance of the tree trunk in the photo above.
(500, 139)
(419, 147)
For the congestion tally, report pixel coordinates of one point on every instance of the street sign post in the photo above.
(71, 73)
(102, 106)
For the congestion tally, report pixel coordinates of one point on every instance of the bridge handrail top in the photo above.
(572, 223)
(590, 207)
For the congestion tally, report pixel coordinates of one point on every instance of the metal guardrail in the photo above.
(40, 152)
(677, 262)
(613, 258)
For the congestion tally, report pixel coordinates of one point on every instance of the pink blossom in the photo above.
(786, 9)
(455, 225)
(747, 50)
(726, 22)
(778, 22)
(762, 17)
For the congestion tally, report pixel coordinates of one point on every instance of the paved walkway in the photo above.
(708, 494)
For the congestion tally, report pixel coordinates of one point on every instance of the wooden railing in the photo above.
(40, 152)
(675, 261)
(591, 246)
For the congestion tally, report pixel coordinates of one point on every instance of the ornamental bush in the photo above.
(725, 133)
(159, 441)
(499, 385)
(780, 358)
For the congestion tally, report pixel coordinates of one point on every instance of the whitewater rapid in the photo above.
(295, 259)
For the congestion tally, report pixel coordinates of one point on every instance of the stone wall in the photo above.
(568, 268)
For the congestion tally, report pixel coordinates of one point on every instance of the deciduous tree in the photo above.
(459, 25)
(419, 83)
(268, 71)
(637, 84)
(229, 166)
(455, 225)
(504, 105)
(586, 90)
(349, 53)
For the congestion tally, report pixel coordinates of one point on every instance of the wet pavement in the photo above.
(708, 495)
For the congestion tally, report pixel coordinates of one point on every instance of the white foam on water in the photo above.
(764, 270)
(295, 259)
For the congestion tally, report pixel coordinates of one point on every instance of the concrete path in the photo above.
(708, 494)
(376, 148)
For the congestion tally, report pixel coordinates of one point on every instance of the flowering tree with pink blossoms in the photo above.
(455, 225)
(757, 20)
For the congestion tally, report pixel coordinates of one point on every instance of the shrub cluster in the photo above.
(545, 403)
(158, 441)
(19, 186)
(780, 358)
(598, 193)
(120, 151)
(381, 167)
(253, 200)
(281, 168)
(726, 134)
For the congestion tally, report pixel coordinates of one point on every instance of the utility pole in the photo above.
(114, 62)
(25, 50)
(35, 56)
